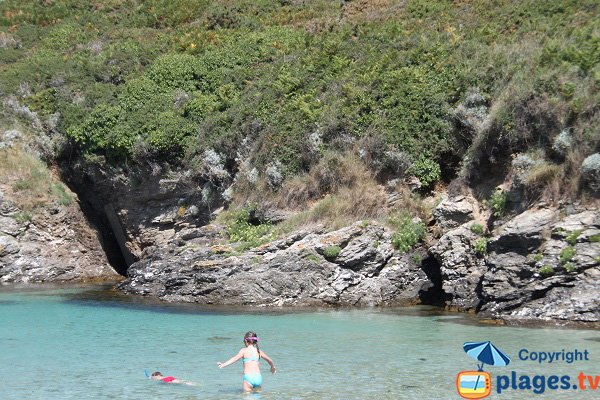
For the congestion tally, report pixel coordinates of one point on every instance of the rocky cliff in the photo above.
(542, 264)
(54, 243)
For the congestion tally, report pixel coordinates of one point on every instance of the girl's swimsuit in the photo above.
(255, 378)
(168, 379)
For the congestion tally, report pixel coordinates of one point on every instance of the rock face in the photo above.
(294, 271)
(451, 213)
(461, 269)
(139, 209)
(558, 279)
(53, 244)
(541, 264)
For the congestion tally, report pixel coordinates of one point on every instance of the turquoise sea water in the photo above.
(90, 343)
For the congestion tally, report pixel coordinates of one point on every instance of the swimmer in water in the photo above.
(158, 376)
(250, 356)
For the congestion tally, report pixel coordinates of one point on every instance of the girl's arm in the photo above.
(268, 359)
(232, 359)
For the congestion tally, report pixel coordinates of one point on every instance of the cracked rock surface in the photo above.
(55, 244)
(542, 264)
(292, 271)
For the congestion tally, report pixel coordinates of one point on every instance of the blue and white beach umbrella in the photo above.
(487, 353)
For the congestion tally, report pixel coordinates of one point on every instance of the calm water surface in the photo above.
(93, 344)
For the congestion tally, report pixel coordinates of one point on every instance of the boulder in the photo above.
(524, 233)
(452, 212)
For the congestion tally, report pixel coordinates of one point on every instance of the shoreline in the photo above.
(107, 292)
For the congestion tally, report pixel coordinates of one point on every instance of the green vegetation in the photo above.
(416, 258)
(170, 80)
(572, 237)
(538, 257)
(427, 171)
(331, 252)
(566, 254)
(480, 246)
(476, 228)
(546, 271)
(407, 233)
(59, 191)
(313, 258)
(569, 267)
(594, 238)
(497, 202)
(33, 185)
(22, 217)
(242, 231)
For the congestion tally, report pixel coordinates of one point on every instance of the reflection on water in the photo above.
(82, 342)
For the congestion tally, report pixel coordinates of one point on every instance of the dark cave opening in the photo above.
(97, 216)
(433, 294)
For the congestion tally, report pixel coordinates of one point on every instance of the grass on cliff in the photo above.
(29, 182)
(338, 191)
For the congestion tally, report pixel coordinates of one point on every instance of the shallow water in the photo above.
(94, 344)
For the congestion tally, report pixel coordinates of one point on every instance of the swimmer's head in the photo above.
(251, 338)
(156, 374)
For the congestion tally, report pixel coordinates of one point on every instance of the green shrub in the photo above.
(569, 267)
(59, 191)
(476, 228)
(546, 271)
(175, 71)
(594, 238)
(167, 132)
(497, 202)
(416, 258)
(240, 230)
(538, 257)
(480, 246)
(567, 254)
(200, 106)
(572, 237)
(103, 130)
(43, 102)
(22, 217)
(427, 171)
(331, 252)
(408, 232)
(137, 93)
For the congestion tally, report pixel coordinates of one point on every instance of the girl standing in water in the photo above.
(250, 356)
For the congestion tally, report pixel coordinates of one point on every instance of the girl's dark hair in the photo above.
(157, 373)
(252, 338)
